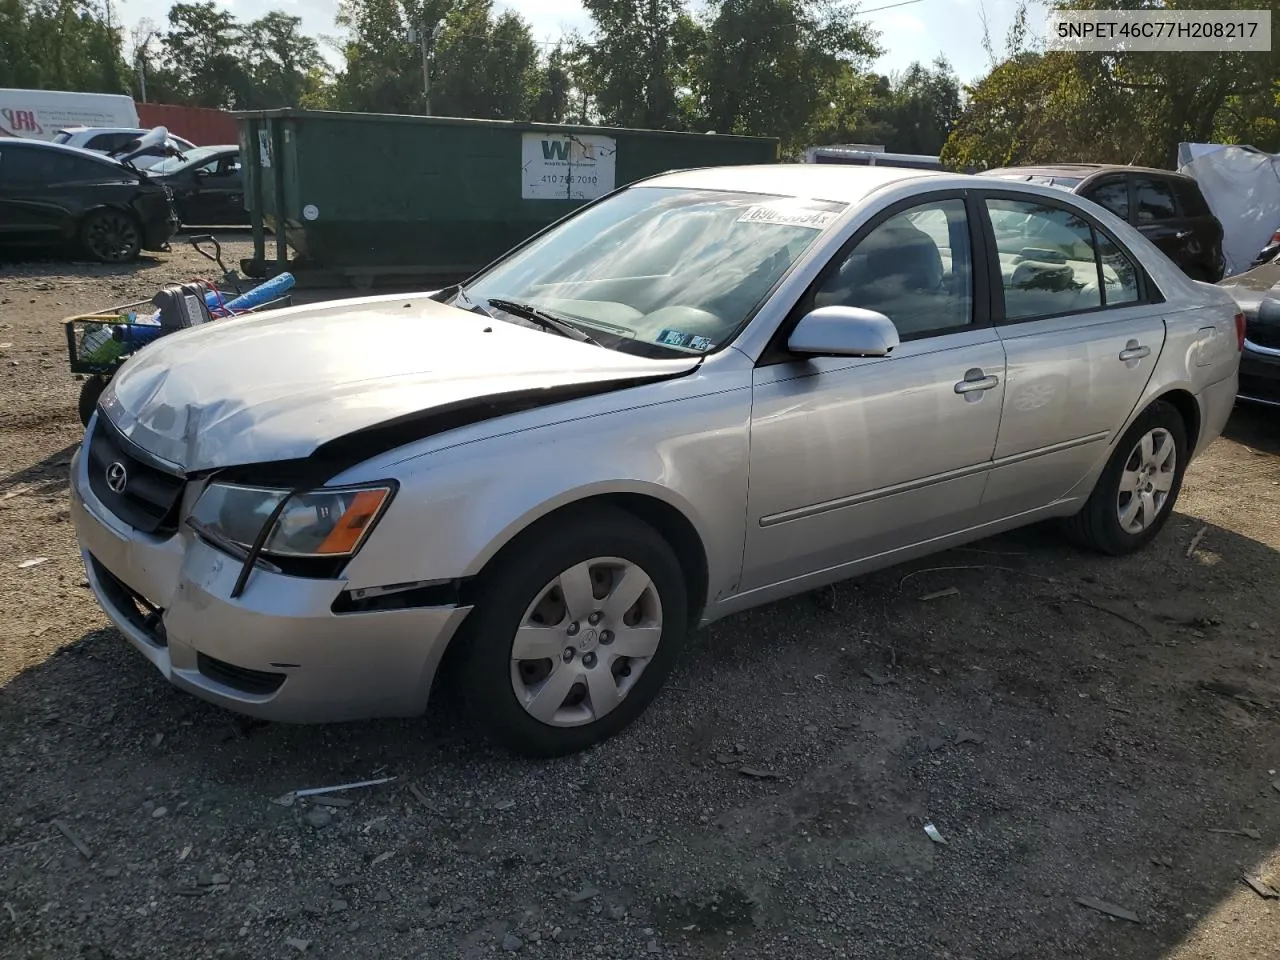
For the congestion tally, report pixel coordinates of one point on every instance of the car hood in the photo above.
(277, 386)
(1252, 287)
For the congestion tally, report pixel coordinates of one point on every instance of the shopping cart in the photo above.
(99, 343)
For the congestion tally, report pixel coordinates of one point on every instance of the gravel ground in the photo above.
(1073, 727)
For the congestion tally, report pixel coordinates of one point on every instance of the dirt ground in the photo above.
(1074, 727)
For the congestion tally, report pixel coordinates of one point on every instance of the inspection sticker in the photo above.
(788, 216)
(674, 338)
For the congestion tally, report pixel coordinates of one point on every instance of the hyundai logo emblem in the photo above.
(117, 477)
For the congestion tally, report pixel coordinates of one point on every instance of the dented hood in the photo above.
(276, 386)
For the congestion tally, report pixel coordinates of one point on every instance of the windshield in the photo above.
(656, 269)
(173, 164)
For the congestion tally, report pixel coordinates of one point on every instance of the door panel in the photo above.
(1067, 393)
(852, 458)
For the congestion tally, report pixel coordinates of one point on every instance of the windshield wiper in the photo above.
(543, 319)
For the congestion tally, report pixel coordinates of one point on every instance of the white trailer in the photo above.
(40, 114)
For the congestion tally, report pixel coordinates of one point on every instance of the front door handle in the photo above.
(1133, 350)
(1182, 234)
(974, 381)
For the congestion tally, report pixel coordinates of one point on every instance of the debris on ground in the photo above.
(1195, 541)
(585, 894)
(287, 799)
(964, 736)
(1110, 909)
(76, 842)
(302, 946)
(1243, 832)
(1261, 888)
(949, 592)
(932, 832)
(33, 562)
(757, 774)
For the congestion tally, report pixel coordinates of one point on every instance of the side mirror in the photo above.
(843, 332)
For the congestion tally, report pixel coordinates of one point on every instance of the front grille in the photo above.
(133, 606)
(239, 678)
(150, 496)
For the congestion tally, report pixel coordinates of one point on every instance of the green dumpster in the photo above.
(369, 196)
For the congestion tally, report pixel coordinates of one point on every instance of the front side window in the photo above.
(916, 268)
(1048, 264)
(1155, 200)
(654, 270)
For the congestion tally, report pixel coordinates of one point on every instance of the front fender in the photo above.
(458, 506)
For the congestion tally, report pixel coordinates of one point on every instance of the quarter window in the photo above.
(916, 268)
(1155, 200)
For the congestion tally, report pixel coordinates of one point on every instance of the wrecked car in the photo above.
(703, 392)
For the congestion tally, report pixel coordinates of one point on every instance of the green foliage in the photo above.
(59, 45)
(1124, 107)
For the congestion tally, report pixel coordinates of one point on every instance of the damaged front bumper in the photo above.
(278, 651)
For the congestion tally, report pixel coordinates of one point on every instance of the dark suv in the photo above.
(1168, 208)
(56, 196)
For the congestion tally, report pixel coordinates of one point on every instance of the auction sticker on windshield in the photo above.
(675, 338)
(789, 215)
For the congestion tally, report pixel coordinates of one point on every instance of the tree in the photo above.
(1115, 107)
(60, 45)
(202, 48)
(920, 108)
(785, 68)
(284, 67)
(632, 62)
(484, 65)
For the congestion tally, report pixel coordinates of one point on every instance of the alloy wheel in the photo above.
(1146, 480)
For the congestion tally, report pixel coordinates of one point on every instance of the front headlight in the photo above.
(318, 523)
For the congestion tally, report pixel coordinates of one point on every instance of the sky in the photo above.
(918, 30)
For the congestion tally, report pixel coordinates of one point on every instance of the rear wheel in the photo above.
(1138, 488)
(111, 236)
(574, 632)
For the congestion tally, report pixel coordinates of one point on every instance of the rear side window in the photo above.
(1112, 195)
(1155, 199)
(1192, 200)
(1048, 264)
(110, 141)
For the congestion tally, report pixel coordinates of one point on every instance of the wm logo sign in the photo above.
(568, 151)
(555, 150)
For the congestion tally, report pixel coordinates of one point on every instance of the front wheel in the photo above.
(90, 391)
(574, 632)
(1138, 488)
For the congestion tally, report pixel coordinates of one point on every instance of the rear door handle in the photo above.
(1182, 234)
(974, 381)
(1133, 350)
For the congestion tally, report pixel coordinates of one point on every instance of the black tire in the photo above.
(1097, 526)
(90, 391)
(111, 236)
(508, 588)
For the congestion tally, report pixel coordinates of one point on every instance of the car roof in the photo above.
(810, 181)
(34, 144)
(1081, 170)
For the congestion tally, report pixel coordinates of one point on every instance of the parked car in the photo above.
(547, 466)
(1167, 208)
(58, 196)
(113, 140)
(207, 185)
(1257, 291)
(1270, 252)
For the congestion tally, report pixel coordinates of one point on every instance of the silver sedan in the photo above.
(704, 392)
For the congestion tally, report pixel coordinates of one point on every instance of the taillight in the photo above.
(1275, 238)
(1240, 331)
